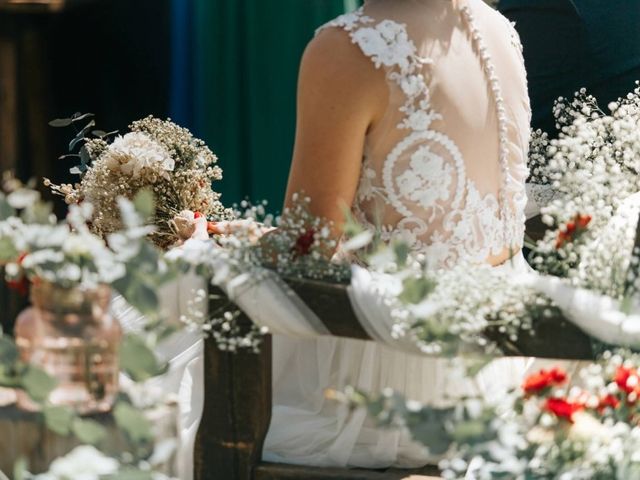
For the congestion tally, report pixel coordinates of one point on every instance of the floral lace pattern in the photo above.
(441, 211)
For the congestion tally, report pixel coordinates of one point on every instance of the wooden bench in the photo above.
(237, 407)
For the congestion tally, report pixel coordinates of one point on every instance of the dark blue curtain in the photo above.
(234, 75)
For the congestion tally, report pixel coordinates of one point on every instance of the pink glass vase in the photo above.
(70, 334)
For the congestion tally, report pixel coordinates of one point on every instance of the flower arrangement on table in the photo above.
(70, 270)
(554, 427)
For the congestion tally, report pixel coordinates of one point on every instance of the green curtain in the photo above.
(245, 58)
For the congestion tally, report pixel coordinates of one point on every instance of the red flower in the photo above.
(304, 243)
(544, 379)
(196, 215)
(562, 408)
(572, 229)
(609, 401)
(622, 377)
(21, 285)
(582, 221)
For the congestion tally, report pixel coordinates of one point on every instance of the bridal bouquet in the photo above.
(157, 155)
(35, 247)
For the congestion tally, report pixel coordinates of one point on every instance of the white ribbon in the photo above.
(269, 302)
(598, 315)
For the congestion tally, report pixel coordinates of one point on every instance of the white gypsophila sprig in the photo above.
(593, 168)
(448, 312)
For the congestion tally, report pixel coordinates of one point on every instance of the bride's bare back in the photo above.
(415, 113)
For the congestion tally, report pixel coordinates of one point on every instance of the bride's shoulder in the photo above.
(487, 13)
(334, 53)
(348, 21)
(334, 68)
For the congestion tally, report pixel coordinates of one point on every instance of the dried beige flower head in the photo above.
(136, 152)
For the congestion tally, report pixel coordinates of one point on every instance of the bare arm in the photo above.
(340, 96)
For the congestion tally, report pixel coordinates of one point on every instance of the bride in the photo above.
(415, 113)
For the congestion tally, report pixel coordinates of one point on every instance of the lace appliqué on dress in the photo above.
(432, 186)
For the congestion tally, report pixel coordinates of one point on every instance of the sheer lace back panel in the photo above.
(445, 167)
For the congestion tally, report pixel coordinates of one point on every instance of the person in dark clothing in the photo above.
(570, 44)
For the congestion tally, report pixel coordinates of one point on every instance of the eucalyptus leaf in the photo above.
(37, 383)
(466, 431)
(9, 377)
(8, 251)
(88, 431)
(8, 351)
(138, 294)
(78, 117)
(60, 122)
(85, 158)
(58, 419)
(6, 210)
(76, 140)
(144, 202)
(401, 250)
(99, 133)
(432, 434)
(131, 474)
(68, 155)
(20, 469)
(138, 360)
(416, 289)
(80, 136)
(133, 423)
(87, 128)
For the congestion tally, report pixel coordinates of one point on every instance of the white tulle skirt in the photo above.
(308, 428)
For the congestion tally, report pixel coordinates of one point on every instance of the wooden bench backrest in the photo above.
(237, 407)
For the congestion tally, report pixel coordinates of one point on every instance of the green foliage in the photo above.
(401, 251)
(88, 431)
(138, 360)
(58, 419)
(131, 474)
(20, 469)
(135, 425)
(8, 350)
(144, 203)
(416, 289)
(60, 122)
(82, 134)
(37, 383)
(6, 210)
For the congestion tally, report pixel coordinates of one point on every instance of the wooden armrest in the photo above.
(275, 471)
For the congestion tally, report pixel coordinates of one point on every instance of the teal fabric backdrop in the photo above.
(234, 83)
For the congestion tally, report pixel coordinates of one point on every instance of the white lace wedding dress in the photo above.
(445, 170)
